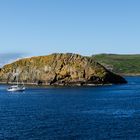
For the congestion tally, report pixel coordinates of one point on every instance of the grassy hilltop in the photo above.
(121, 64)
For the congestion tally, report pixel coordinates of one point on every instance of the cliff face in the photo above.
(59, 69)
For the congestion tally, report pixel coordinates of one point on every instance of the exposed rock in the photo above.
(59, 69)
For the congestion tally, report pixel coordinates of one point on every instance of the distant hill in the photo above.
(121, 64)
(59, 69)
(9, 57)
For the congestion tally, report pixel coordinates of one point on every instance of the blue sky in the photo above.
(41, 27)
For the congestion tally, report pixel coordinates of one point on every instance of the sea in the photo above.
(71, 113)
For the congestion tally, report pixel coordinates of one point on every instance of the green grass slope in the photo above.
(121, 64)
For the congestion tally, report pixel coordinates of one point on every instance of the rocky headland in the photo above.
(59, 69)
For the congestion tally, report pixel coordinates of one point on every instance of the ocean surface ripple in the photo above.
(83, 113)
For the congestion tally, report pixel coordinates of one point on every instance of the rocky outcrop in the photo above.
(59, 69)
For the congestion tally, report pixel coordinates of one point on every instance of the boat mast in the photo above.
(17, 80)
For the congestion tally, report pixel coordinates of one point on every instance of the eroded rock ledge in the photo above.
(59, 69)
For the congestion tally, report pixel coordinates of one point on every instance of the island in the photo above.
(59, 70)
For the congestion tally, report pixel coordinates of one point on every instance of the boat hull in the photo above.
(16, 89)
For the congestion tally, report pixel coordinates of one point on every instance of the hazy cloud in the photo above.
(9, 57)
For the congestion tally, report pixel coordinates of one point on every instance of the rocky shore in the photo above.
(59, 69)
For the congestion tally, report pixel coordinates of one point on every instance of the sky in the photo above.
(41, 27)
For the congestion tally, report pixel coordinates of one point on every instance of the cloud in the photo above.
(9, 57)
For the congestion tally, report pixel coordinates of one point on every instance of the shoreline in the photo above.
(55, 86)
(130, 75)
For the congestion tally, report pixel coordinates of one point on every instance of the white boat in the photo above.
(16, 87)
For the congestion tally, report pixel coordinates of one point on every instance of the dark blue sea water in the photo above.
(85, 113)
